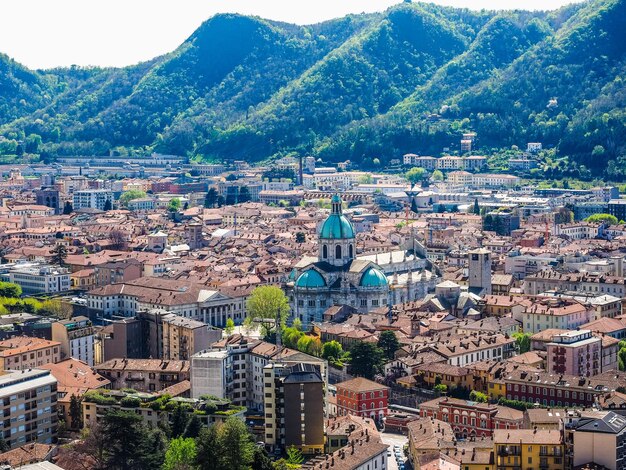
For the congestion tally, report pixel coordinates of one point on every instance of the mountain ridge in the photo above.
(358, 87)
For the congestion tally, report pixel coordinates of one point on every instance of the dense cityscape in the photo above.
(388, 241)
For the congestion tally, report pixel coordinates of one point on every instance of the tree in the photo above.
(128, 196)
(332, 351)
(179, 420)
(476, 207)
(230, 326)
(181, 454)
(107, 205)
(68, 208)
(9, 289)
(118, 240)
(478, 397)
(563, 216)
(522, 342)
(75, 413)
(265, 304)
(231, 177)
(56, 308)
(236, 445)
(211, 198)
(300, 237)
(244, 194)
(388, 342)
(291, 336)
(441, 388)
(173, 205)
(602, 218)
(261, 460)
(437, 175)
(366, 359)
(415, 175)
(129, 443)
(208, 449)
(193, 427)
(59, 253)
(294, 456)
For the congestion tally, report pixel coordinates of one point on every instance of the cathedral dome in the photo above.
(310, 279)
(373, 277)
(336, 226)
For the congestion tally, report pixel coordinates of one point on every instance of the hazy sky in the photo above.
(47, 33)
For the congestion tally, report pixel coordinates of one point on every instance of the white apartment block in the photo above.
(93, 199)
(28, 399)
(35, 279)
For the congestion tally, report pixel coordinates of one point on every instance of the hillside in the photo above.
(356, 88)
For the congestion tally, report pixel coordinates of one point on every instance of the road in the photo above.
(392, 440)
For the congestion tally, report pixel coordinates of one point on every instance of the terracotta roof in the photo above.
(361, 384)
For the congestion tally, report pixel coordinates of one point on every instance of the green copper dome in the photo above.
(373, 278)
(310, 279)
(337, 226)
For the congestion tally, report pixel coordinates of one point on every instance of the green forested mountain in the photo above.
(411, 79)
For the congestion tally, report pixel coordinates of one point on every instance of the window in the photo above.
(324, 251)
(338, 252)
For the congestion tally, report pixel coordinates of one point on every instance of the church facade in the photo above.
(338, 277)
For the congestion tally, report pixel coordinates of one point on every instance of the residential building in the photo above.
(529, 449)
(74, 379)
(575, 353)
(34, 279)
(470, 419)
(600, 441)
(144, 375)
(97, 403)
(362, 397)
(617, 208)
(76, 337)
(211, 374)
(581, 283)
(29, 405)
(294, 407)
(534, 386)
(92, 199)
(243, 368)
(23, 352)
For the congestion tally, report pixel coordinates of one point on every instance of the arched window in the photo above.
(338, 252)
(351, 251)
(324, 251)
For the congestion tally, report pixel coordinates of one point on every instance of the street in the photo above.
(392, 440)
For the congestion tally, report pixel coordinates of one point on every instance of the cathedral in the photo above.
(338, 277)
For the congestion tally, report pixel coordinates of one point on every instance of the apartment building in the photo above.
(92, 199)
(558, 389)
(34, 279)
(601, 440)
(575, 353)
(29, 403)
(362, 397)
(24, 352)
(76, 337)
(243, 366)
(470, 419)
(529, 449)
(294, 407)
(144, 375)
(583, 283)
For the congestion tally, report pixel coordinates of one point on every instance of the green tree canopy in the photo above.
(265, 304)
(522, 342)
(130, 195)
(388, 342)
(602, 218)
(181, 454)
(174, 205)
(9, 289)
(366, 359)
(415, 175)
